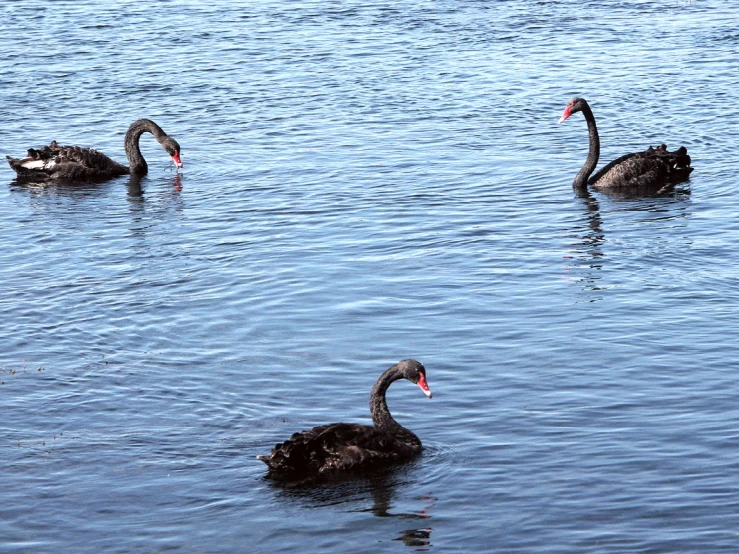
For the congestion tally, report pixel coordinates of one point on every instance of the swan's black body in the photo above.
(653, 170)
(347, 446)
(77, 164)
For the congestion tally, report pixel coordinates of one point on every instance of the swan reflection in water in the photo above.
(135, 189)
(64, 202)
(417, 537)
(587, 258)
(378, 488)
(79, 191)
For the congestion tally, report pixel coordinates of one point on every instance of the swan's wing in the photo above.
(339, 446)
(65, 162)
(84, 157)
(308, 451)
(637, 171)
(651, 168)
(605, 169)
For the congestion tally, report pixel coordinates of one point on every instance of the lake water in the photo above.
(366, 182)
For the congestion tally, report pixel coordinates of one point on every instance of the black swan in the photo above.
(73, 163)
(345, 446)
(655, 168)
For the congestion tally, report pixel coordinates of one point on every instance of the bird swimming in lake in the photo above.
(340, 447)
(54, 163)
(653, 170)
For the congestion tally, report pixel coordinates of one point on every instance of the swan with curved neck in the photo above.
(653, 169)
(74, 163)
(348, 446)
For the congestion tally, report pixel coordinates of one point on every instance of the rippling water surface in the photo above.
(366, 182)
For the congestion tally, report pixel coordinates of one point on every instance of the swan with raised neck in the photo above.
(653, 170)
(349, 446)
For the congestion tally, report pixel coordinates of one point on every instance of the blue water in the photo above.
(363, 183)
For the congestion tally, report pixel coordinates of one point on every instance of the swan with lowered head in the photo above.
(652, 170)
(74, 163)
(347, 446)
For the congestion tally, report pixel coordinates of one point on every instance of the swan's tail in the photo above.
(677, 162)
(33, 164)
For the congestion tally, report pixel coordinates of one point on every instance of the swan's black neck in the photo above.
(378, 406)
(137, 162)
(581, 179)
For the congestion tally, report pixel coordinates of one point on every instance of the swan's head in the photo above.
(573, 106)
(173, 149)
(415, 373)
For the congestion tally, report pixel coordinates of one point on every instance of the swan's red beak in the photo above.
(424, 386)
(176, 159)
(567, 113)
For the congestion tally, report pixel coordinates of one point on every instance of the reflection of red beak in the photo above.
(567, 113)
(424, 386)
(176, 159)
